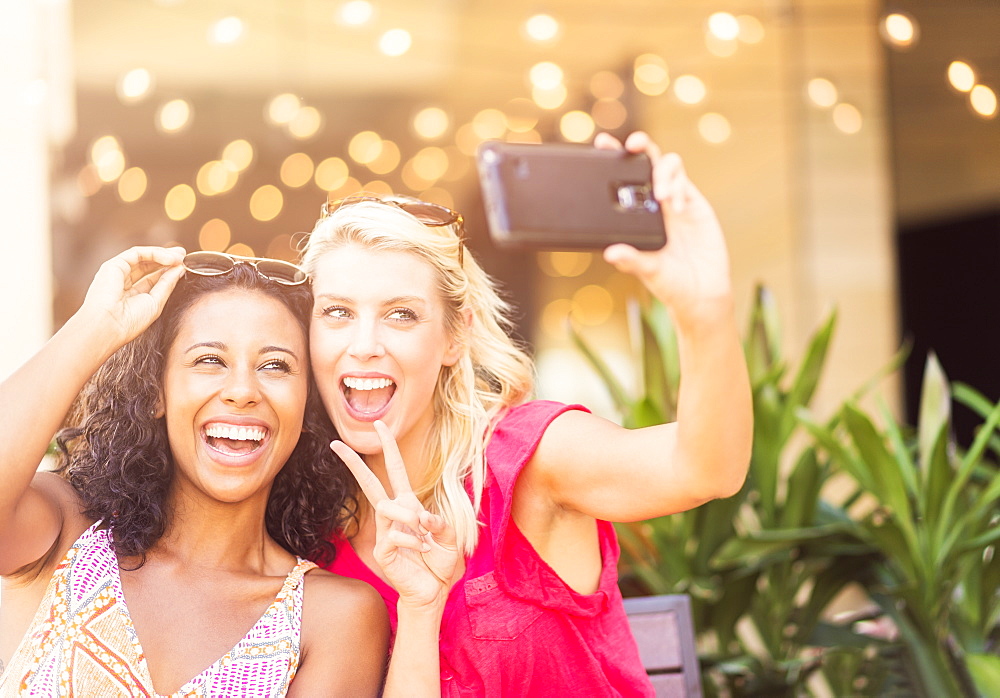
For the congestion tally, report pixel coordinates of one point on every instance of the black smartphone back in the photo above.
(564, 196)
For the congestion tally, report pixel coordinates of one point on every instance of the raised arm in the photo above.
(592, 466)
(418, 553)
(127, 294)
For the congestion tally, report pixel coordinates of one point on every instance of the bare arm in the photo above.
(127, 294)
(418, 553)
(591, 466)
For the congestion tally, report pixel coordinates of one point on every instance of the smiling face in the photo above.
(378, 340)
(234, 390)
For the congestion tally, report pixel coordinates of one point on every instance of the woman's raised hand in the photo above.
(694, 265)
(131, 289)
(416, 549)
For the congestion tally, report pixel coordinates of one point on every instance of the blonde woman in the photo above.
(409, 339)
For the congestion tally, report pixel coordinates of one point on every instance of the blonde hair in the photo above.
(493, 373)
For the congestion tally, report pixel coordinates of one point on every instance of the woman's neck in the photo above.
(219, 535)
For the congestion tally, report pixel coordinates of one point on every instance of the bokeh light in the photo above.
(387, 160)
(576, 126)
(296, 170)
(961, 76)
(238, 153)
(847, 118)
(564, 264)
(283, 108)
(266, 203)
(724, 26)
(134, 85)
(609, 113)
(521, 114)
(132, 184)
(983, 101)
(541, 27)
(365, 147)
(899, 29)
(356, 12)
(430, 123)
(650, 74)
(395, 42)
(751, 29)
(689, 89)
(592, 305)
(227, 30)
(545, 75)
(714, 128)
(606, 85)
(549, 98)
(489, 123)
(179, 202)
(174, 116)
(822, 92)
(214, 235)
(331, 174)
(306, 123)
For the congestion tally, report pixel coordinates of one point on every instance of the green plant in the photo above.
(935, 527)
(760, 567)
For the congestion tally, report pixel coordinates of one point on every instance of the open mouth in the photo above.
(234, 440)
(368, 396)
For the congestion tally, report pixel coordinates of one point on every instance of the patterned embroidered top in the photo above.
(81, 641)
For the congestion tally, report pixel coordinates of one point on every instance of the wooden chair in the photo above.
(664, 632)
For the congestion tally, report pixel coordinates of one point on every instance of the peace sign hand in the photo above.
(416, 549)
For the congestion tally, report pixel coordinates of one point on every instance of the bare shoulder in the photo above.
(345, 637)
(330, 596)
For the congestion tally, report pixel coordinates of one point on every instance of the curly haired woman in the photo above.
(168, 554)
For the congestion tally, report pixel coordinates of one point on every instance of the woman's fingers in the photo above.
(392, 512)
(605, 141)
(394, 466)
(443, 534)
(367, 480)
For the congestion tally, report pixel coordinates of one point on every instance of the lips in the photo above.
(233, 443)
(367, 397)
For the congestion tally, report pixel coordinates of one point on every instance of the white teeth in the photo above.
(234, 433)
(366, 383)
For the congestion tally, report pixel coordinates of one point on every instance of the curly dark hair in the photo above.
(118, 458)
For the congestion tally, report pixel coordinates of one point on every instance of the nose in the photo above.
(241, 388)
(366, 341)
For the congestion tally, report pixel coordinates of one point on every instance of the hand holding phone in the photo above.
(562, 196)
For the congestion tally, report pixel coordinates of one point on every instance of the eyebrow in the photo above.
(390, 301)
(222, 347)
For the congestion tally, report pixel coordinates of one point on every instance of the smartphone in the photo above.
(566, 196)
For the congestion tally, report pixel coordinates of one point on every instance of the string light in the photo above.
(266, 203)
(689, 89)
(356, 12)
(227, 30)
(174, 116)
(134, 85)
(179, 202)
(430, 123)
(822, 92)
(847, 118)
(961, 76)
(545, 75)
(983, 101)
(899, 30)
(395, 42)
(541, 28)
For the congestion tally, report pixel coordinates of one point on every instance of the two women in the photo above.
(408, 338)
(170, 556)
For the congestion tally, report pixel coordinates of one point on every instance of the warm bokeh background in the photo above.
(826, 132)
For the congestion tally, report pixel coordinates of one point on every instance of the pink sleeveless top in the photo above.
(512, 626)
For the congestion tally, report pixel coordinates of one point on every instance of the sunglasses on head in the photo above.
(431, 215)
(219, 263)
